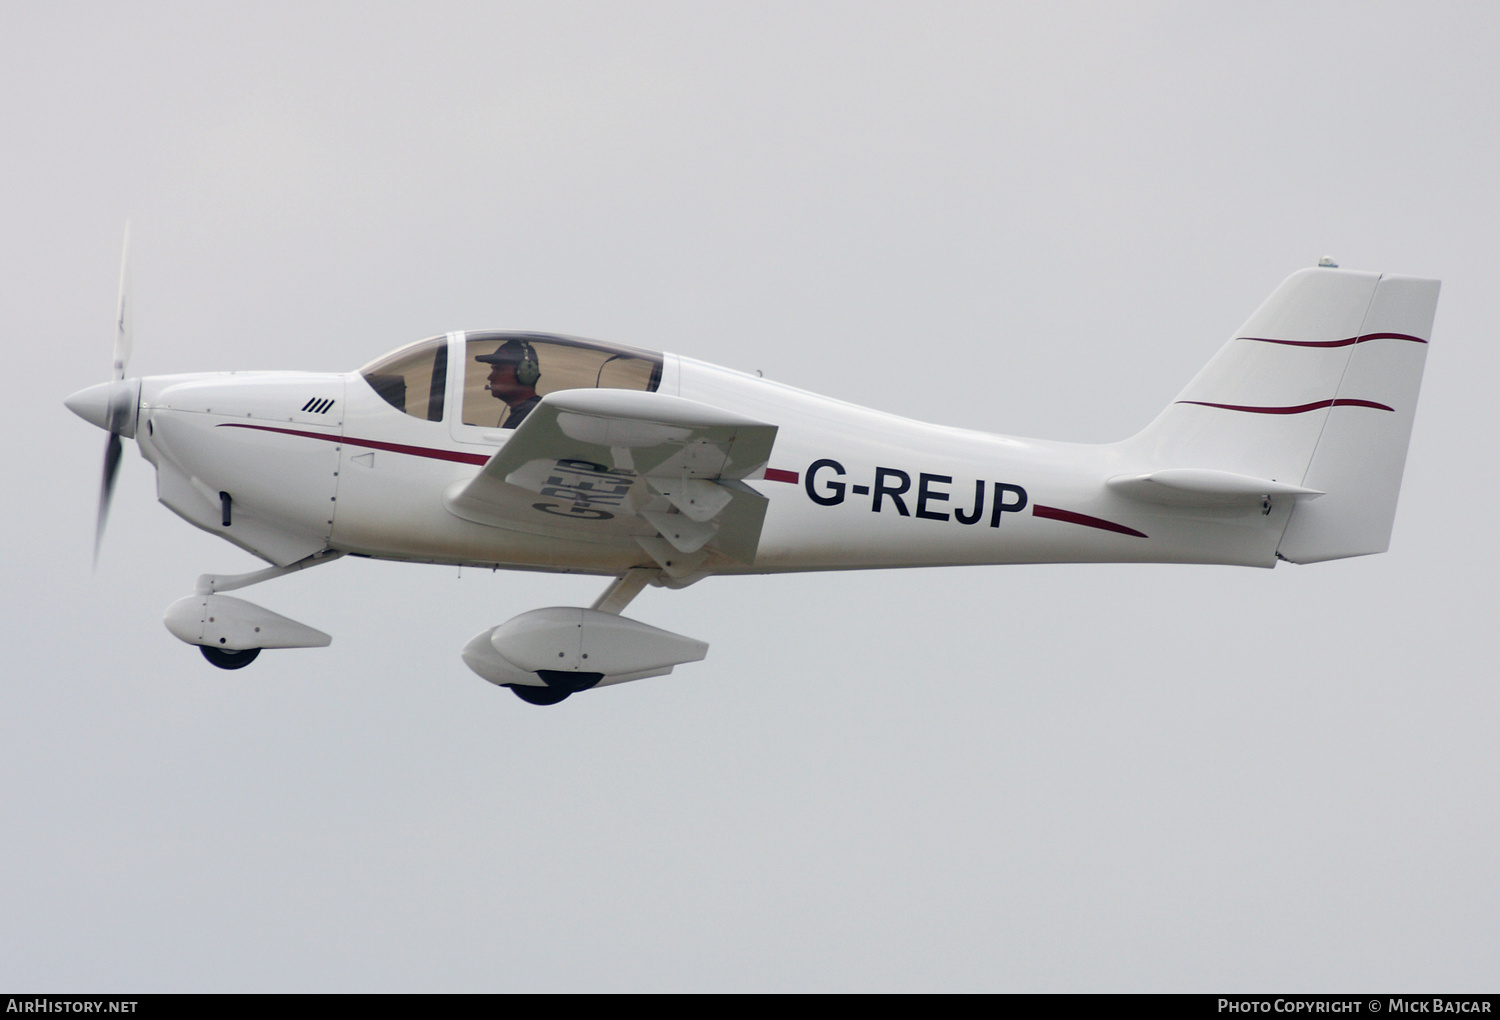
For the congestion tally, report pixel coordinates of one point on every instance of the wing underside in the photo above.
(618, 466)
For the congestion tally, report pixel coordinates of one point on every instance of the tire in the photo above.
(226, 659)
(568, 681)
(539, 695)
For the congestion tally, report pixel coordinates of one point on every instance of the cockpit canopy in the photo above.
(415, 378)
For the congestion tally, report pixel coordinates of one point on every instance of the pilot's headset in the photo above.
(528, 371)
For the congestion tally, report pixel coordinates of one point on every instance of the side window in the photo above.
(413, 379)
(507, 374)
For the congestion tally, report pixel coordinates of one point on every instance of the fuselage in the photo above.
(303, 462)
(537, 451)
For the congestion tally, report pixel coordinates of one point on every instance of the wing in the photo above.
(621, 466)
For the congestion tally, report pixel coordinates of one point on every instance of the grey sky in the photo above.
(1036, 220)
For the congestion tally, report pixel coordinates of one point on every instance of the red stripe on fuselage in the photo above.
(1052, 513)
(772, 474)
(373, 444)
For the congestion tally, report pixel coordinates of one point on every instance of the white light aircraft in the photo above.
(536, 451)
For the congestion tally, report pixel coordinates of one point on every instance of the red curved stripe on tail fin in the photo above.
(1336, 343)
(1298, 409)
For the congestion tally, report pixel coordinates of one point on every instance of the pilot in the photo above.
(513, 377)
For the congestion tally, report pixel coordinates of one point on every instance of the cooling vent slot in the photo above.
(318, 405)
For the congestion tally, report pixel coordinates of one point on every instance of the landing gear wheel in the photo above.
(560, 684)
(538, 695)
(226, 659)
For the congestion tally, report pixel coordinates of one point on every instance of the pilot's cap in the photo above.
(512, 352)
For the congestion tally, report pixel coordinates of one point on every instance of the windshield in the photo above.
(412, 379)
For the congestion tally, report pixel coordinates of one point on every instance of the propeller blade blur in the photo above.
(122, 312)
(117, 397)
(113, 450)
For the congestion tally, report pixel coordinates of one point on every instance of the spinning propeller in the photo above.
(112, 406)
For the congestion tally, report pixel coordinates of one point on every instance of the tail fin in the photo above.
(1318, 390)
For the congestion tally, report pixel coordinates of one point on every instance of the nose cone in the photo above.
(110, 405)
(92, 404)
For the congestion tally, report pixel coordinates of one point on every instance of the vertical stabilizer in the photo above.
(1317, 390)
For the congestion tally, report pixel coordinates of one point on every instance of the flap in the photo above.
(622, 465)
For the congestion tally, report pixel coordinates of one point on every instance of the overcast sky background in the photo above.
(1038, 220)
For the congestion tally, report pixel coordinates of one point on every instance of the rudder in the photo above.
(1361, 453)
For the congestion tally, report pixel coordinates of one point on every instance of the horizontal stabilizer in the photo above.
(1203, 487)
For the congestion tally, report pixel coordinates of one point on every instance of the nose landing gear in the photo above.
(231, 632)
